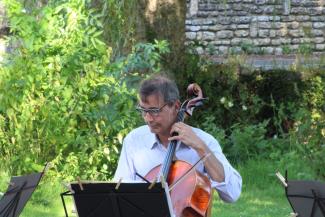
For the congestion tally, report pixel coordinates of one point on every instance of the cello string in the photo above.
(171, 147)
(188, 171)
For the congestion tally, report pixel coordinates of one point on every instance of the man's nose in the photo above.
(147, 116)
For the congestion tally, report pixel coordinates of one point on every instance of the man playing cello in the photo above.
(145, 147)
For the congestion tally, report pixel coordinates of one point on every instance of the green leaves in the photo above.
(147, 56)
(59, 100)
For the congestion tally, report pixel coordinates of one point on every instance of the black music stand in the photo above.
(307, 198)
(119, 200)
(19, 191)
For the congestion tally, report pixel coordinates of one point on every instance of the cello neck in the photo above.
(171, 148)
(187, 108)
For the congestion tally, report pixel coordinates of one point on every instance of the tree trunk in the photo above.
(164, 19)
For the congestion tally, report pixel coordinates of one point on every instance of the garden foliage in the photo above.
(67, 94)
(64, 99)
(260, 114)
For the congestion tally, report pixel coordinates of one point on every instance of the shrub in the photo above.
(239, 94)
(62, 97)
(255, 113)
(307, 139)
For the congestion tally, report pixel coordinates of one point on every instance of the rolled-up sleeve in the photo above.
(230, 189)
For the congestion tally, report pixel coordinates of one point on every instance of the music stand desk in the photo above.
(103, 199)
(307, 198)
(18, 193)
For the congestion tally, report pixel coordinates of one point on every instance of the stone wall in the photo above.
(278, 27)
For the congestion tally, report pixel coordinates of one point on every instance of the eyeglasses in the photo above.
(152, 111)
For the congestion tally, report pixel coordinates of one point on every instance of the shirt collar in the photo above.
(154, 141)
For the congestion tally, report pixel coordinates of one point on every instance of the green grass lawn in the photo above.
(262, 195)
(267, 202)
(37, 210)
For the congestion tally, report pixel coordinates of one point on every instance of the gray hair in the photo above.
(159, 85)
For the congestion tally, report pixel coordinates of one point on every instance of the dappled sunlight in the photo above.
(261, 202)
(154, 6)
(193, 7)
(3, 48)
(284, 29)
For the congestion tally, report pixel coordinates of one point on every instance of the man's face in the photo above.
(163, 115)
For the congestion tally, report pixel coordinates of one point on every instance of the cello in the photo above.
(193, 197)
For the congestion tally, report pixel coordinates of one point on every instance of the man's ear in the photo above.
(177, 105)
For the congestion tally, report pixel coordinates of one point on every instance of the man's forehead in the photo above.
(151, 98)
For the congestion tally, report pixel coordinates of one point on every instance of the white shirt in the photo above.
(142, 151)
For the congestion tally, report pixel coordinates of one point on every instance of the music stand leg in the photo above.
(13, 204)
(319, 203)
(17, 197)
(63, 202)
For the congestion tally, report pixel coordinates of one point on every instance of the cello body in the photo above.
(191, 197)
